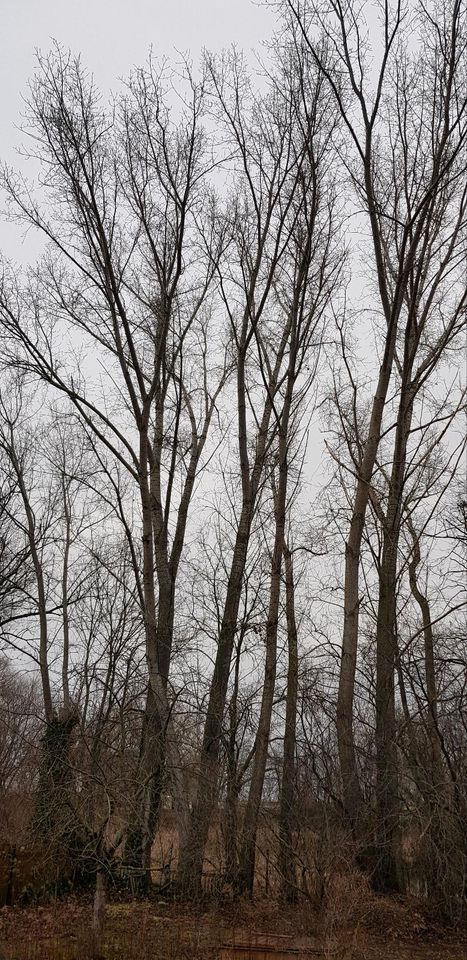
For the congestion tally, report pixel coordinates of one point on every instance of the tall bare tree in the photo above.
(304, 290)
(391, 115)
(133, 247)
(275, 220)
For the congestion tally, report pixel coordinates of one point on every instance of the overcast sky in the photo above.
(112, 36)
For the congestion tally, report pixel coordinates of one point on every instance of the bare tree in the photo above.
(134, 245)
(387, 126)
(304, 291)
(272, 206)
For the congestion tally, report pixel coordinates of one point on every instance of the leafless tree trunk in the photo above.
(287, 811)
(287, 239)
(395, 267)
(135, 207)
(306, 301)
(98, 915)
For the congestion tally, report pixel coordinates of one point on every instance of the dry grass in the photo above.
(342, 917)
(370, 928)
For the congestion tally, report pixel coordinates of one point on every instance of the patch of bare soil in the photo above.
(373, 929)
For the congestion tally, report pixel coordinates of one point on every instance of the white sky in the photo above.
(112, 36)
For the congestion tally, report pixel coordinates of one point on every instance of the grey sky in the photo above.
(112, 36)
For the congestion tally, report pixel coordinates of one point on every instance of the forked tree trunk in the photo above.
(158, 749)
(151, 765)
(145, 815)
(352, 794)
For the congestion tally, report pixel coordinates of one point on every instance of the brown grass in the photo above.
(372, 929)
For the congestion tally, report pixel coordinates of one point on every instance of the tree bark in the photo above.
(387, 872)
(152, 750)
(192, 853)
(190, 865)
(287, 797)
(232, 788)
(98, 915)
(250, 823)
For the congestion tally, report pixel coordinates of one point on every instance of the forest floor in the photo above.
(378, 929)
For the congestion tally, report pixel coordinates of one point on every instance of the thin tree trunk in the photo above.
(387, 790)
(232, 788)
(250, 823)
(192, 854)
(436, 765)
(190, 865)
(65, 609)
(231, 819)
(387, 872)
(352, 795)
(247, 858)
(436, 790)
(152, 751)
(41, 595)
(287, 797)
(98, 915)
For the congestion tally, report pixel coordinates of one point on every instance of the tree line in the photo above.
(215, 611)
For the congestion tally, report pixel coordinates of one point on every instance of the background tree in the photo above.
(385, 123)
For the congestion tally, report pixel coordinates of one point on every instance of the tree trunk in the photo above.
(191, 855)
(387, 791)
(232, 788)
(151, 765)
(141, 831)
(250, 824)
(436, 790)
(352, 795)
(231, 822)
(246, 873)
(158, 748)
(287, 797)
(436, 765)
(190, 867)
(54, 821)
(387, 871)
(98, 915)
(152, 758)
